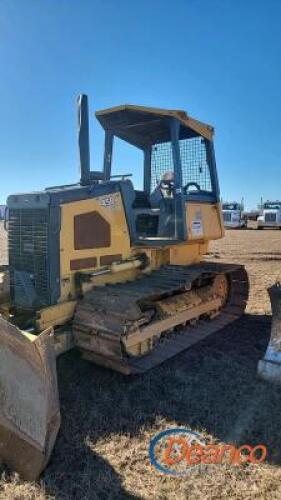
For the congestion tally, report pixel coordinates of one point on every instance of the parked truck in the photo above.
(2, 212)
(233, 216)
(271, 215)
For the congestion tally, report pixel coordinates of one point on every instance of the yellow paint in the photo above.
(204, 223)
(186, 254)
(210, 216)
(112, 278)
(189, 252)
(29, 336)
(184, 118)
(55, 315)
(113, 213)
(156, 256)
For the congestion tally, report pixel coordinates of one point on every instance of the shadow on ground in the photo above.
(212, 387)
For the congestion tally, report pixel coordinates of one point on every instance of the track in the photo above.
(134, 326)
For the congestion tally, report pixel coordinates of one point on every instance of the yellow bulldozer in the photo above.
(117, 272)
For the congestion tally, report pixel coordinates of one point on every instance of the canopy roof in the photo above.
(141, 126)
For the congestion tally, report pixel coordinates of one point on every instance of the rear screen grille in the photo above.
(270, 217)
(28, 250)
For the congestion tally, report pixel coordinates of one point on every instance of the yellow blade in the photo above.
(29, 403)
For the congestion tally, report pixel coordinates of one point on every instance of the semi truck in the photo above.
(271, 215)
(233, 216)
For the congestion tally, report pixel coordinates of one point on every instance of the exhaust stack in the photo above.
(83, 140)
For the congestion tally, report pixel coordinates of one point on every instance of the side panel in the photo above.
(187, 253)
(94, 234)
(204, 221)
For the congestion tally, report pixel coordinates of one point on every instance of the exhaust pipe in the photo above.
(83, 140)
(269, 368)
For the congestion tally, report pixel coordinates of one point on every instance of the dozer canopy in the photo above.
(142, 126)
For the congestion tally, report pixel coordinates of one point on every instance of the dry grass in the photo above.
(108, 420)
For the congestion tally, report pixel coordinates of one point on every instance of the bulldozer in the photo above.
(113, 271)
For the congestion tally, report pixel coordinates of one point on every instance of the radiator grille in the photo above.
(28, 251)
(226, 216)
(270, 217)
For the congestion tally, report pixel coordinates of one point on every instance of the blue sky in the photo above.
(218, 59)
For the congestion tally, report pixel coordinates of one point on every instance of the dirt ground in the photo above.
(108, 419)
(260, 252)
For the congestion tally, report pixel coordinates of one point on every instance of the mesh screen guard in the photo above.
(194, 163)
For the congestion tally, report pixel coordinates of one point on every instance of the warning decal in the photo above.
(196, 225)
